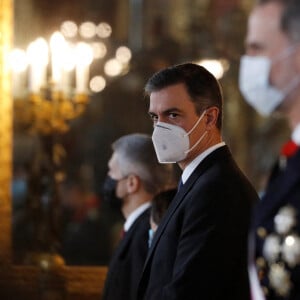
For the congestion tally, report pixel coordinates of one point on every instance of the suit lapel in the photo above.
(123, 244)
(220, 153)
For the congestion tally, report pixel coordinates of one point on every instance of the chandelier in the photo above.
(52, 81)
(54, 77)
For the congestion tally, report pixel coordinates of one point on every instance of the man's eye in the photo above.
(173, 115)
(153, 118)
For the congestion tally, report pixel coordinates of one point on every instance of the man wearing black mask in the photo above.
(134, 177)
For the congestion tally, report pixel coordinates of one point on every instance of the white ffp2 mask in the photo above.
(171, 142)
(254, 83)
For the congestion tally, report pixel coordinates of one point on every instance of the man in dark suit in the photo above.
(199, 250)
(134, 177)
(270, 83)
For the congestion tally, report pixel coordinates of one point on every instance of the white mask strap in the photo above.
(293, 84)
(285, 53)
(200, 118)
(196, 144)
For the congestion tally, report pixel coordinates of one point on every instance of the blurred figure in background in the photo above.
(134, 177)
(160, 204)
(85, 234)
(270, 83)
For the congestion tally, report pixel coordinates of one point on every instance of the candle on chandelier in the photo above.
(84, 57)
(37, 53)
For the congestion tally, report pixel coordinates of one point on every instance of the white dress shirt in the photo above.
(193, 165)
(296, 135)
(134, 215)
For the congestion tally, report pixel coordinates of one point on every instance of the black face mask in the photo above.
(109, 192)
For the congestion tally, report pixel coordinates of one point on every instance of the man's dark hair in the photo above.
(201, 85)
(160, 204)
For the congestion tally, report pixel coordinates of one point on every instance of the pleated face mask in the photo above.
(255, 87)
(254, 82)
(171, 142)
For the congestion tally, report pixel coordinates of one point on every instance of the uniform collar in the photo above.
(296, 135)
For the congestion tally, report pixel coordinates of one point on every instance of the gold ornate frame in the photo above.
(29, 282)
(6, 34)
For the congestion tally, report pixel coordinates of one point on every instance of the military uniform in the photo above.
(277, 227)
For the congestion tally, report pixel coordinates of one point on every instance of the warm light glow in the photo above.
(57, 41)
(123, 54)
(58, 49)
(104, 30)
(290, 240)
(70, 61)
(18, 60)
(99, 50)
(84, 57)
(87, 30)
(84, 54)
(215, 66)
(18, 64)
(37, 52)
(69, 29)
(113, 67)
(68, 58)
(97, 84)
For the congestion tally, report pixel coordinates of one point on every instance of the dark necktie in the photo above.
(122, 233)
(180, 185)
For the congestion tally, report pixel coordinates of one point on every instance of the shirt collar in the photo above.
(296, 135)
(135, 214)
(192, 166)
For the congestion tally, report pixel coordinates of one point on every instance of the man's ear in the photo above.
(212, 114)
(133, 183)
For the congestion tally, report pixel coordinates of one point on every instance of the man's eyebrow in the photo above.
(172, 109)
(150, 113)
(167, 111)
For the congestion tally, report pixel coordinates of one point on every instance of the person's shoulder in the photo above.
(142, 221)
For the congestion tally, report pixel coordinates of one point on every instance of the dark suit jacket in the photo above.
(200, 248)
(282, 189)
(127, 261)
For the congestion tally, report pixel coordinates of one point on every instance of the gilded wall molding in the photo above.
(6, 37)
